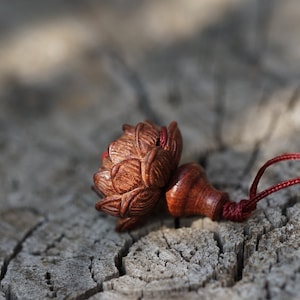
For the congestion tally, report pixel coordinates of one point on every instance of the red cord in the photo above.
(240, 211)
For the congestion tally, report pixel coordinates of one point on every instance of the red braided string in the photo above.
(241, 211)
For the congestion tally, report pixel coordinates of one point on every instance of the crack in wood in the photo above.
(54, 242)
(220, 90)
(120, 256)
(91, 268)
(252, 54)
(219, 243)
(240, 263)
(290, 203)
(267, 288)
(133, 79)
(258, 238)
(166, 240)
(276, 116)
(18, 248)
(274, 121)
(262, 28)
(49, 282)
(93, 291)
(295, 97)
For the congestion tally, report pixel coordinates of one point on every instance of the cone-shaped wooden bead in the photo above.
(190, 193)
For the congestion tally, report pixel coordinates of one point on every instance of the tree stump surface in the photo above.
(71, 73)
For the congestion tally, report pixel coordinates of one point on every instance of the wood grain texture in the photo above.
(72, 73)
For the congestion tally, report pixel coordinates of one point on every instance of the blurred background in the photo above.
(71, 72)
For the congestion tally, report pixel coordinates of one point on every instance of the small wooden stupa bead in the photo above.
(190, 193)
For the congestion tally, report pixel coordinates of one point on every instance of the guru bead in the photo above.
(190, 193)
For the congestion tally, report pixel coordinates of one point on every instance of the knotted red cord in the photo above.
(240, 211)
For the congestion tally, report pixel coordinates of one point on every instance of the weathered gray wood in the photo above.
(71, 74)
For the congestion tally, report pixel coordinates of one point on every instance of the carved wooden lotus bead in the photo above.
(136, 167)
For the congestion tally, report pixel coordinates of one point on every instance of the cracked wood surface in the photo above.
(71, 74)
